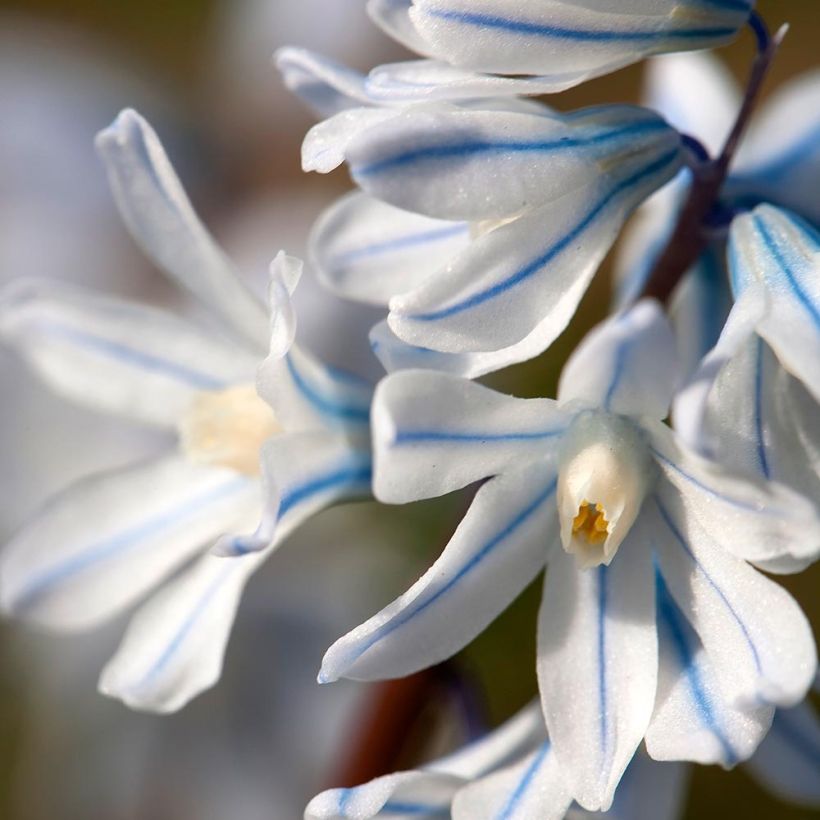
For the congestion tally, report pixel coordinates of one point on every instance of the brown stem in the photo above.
(689, 238)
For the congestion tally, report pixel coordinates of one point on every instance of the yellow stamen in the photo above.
(226, 428)
(591, 523)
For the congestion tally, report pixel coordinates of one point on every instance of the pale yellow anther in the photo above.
(591, 523)
(227, 428)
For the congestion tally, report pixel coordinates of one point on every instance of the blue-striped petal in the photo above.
(757, 640)
(627, 365)
(545, 36)
(366, 250)
(692, 719)
(392, 17)
(99, 546)
(496, 551)
(159, 216)
(434, 433)
(117, 356)
(597, 666)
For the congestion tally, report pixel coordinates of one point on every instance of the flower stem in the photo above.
(691, 234)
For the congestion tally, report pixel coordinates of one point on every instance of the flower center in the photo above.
(227, 428)
(591, 523)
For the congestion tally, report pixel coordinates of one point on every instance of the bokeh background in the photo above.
(267, 737)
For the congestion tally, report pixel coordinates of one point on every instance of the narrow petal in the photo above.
(307, 394)
(103, 543)
(434, 433)
(597, 666)
(627, 365)
(117, 356)
(788, 761)
(175, 643)
(750, 517)
(780, 251)
(413, 795)
(542, 36)
(532, 787)
(303, 473)
(755, 636)
(368, 251)
(325, 86)
(529, 274)
(437, 160)
(285, 272)
(159, 216)
(496, 551)
(692, 720)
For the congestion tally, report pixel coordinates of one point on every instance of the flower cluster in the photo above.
(679, 462)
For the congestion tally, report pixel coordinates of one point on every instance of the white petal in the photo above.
(434, 433)
(541, 36)
(533, 787)
(531, 272)
(696, 93)
(402, 796)
(780, 251)
(597, 666)
(439, 160)
(788, 761)
(417, 81)
(367, 250)
(117, 356)
(327, 87)
(692, 720)
(756, 638)
(497, 549)
(285, 272)
(307, 394)
(626, 365)
(174, 645)
(100, 545)
(647, 791)
(521, 734)
(303, 474)
(324, 146)
(392, 17)
(159, 216)
(752, 518)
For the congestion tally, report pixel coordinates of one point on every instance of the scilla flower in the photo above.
(545, 196)
(510, 773)
(645, 540)
(104, 543)
(483, 48)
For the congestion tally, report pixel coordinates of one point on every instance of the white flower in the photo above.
(545, 196)
(672, 615)
(105, 542)
(510, 773)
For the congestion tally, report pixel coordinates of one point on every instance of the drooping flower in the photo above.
(483, 49)
(545, 196)
(652, 596)
(510, 773)
(104, 543)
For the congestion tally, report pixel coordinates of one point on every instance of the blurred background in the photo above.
(267, 737)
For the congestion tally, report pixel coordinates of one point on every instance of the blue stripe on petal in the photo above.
(672, 618)
(721, 594)
(565, 241)
(115, 545)
(329, 406)
(126, 355)
(423, 602)
(762, 456)
(398, 243)
(524, 784)
(360, 472)
(602, 663)
(532, 29)
(429, 436)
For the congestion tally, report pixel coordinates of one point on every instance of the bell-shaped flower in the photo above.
(651, 596)
(509, 773)
(104, 543)
(545, 196)
(486, 48)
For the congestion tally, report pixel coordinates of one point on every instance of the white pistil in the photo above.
(227, 428)
(603, 476)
